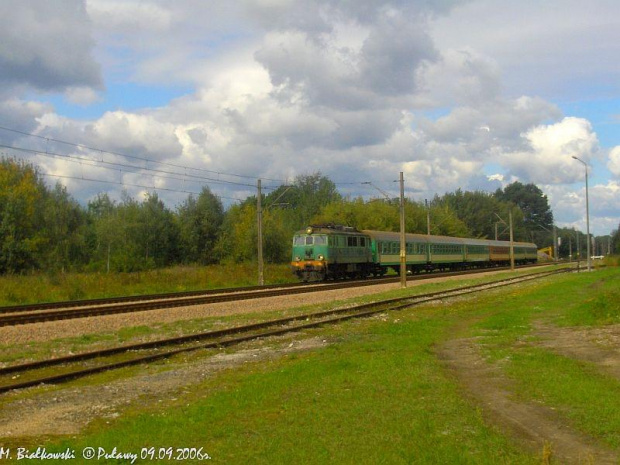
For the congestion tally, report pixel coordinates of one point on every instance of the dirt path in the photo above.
(533, 425)
(600, 346)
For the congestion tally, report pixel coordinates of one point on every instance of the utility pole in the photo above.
(578, 251)
(589, 257)
(259, 217)
(428, 218)
(512, 249)
(403, 243)
(588, 222)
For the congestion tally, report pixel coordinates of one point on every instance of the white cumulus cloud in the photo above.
(547, 157)
(614, 161)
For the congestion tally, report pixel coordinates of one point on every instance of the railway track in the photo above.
(25, 314)
(89, 363)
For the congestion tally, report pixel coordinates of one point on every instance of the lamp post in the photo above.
(587, 215)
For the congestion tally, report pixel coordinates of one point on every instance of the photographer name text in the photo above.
(95, 454)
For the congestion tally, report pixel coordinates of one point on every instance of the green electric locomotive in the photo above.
(330, 251)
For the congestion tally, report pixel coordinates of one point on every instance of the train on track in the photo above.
(335, 252)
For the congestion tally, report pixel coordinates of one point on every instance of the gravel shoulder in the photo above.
(48, 331)
(68, 411)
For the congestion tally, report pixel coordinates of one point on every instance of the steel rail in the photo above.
(134, 298)
(25, 315)
(343, 314)
(66, 304)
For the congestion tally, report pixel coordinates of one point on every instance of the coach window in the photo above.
(362, 242)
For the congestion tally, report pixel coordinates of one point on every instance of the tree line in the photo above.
(44, 228)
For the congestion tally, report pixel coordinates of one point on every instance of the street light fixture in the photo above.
(587, 215)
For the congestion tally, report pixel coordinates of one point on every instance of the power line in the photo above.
(133, 185)
(148, 160)
(130, 168)
(94, 163)
(122, 183)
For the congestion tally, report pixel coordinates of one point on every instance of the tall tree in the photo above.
(200, 221)
(104, 231)
(308, 195)
(65, 231)
(238, 241)
(537, 215)
(133, 236)
(158, 233)
(483, 214)
(22, 237)
(615, 241)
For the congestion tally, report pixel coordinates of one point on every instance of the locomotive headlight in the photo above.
(298, 259)
(320, 257)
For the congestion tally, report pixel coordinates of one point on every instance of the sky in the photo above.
(167, 97)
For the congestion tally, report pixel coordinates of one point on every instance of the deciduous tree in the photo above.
(22, 233)
(537, 214)
(200, 220)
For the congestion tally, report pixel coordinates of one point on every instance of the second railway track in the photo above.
(25, 314)
(73, 366)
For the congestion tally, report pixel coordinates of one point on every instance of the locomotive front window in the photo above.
(320, 240)
(299, 240)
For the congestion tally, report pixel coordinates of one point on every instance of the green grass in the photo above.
(42, 287)
(603, 308)
(378, 394)
(589, 399)
(581, 392)
(612, 260)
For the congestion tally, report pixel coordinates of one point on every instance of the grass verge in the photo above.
(76, 286)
